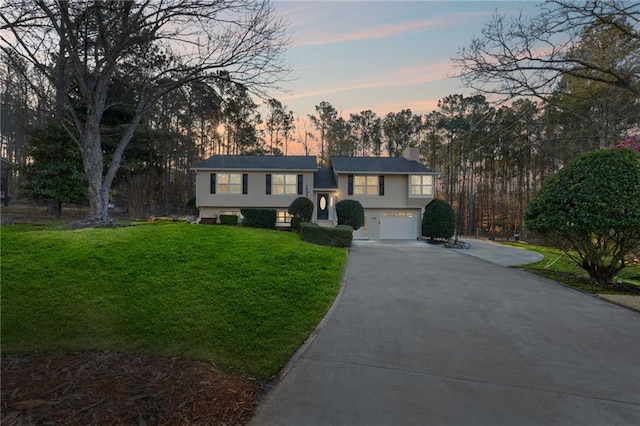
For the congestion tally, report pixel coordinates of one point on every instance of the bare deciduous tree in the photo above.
(305, 137)
(531, 56)
(161, 45)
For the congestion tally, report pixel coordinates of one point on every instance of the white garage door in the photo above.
(398, 226)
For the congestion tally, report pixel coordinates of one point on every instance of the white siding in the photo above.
(256, 193)
(396, 194)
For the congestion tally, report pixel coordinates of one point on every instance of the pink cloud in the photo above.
(385, 30)
(400, 78)
(373, 33)
(330, 90)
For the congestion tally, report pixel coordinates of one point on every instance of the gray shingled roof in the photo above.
(324, 179)
(397, 165)
(258, 162)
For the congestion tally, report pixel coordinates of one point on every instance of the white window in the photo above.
(365, 185)
(284, 184)
(421, 185)
(404, 215)
(283, 216)
(229, 183)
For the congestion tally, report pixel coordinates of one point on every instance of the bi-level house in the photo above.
(393, 191)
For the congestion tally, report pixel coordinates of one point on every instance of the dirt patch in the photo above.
(113, 388)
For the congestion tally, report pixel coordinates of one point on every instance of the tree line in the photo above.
(493, 157)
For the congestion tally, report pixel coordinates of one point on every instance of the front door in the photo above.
(322, 207)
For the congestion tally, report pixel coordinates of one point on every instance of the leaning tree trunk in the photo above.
(93, 161)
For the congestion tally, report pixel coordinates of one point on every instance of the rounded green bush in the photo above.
(302, 210)
(438, 220)
(592, 206)
(350, 212)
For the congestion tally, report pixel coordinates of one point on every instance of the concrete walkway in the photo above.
(424, 335)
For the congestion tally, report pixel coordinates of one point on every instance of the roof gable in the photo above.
(258, 162)
(398, 165)
(324, 179)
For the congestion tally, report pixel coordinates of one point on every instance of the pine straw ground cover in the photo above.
(110, 388)
(160, 323)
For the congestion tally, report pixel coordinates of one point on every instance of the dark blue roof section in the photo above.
(398, 165)
(324, 179)
(258, 162)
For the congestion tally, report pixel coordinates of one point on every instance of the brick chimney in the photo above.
(411, 153)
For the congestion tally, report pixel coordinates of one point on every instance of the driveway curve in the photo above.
(426, 335)
(501, 254)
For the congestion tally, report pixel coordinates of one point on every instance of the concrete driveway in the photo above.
(424, 335)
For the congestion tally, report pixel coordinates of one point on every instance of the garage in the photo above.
(398, 225)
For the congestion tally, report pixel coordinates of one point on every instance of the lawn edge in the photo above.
(302, 349)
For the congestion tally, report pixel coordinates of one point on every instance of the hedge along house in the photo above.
(393, 191)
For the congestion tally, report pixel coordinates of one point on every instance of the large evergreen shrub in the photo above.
(55, 173)
(350, 212)
(592, 206)
(438, 220)
(302, 210)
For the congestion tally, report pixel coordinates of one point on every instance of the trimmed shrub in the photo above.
(259, 218)
(228, 219)
(340, 236)
(592, 206)
(438, 220)
(302, 210)
(350, 212)
(295, 223)
(302, 207)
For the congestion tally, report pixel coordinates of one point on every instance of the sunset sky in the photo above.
(380, 55)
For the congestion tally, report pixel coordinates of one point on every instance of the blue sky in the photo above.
(380, 55)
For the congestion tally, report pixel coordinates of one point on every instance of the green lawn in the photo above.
(558, 266)
(242, 298)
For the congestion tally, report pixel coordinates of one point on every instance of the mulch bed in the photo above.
(113, 388)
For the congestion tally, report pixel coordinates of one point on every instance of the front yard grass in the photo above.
(244, 299)
(557, 266)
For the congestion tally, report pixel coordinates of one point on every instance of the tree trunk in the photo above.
(54, 208)
(98, 198)
(93, 161)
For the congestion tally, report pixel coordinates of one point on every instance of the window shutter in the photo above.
(245, 183)
(350, 185)
(268, 183)
(299, 184)
(212, 184)
(380, 185)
